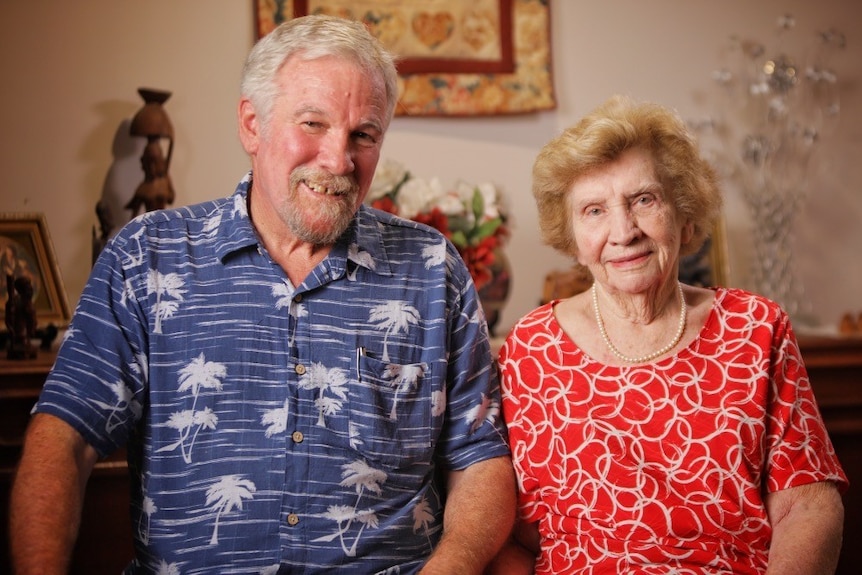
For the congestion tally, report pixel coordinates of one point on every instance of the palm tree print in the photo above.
(360, 258)
(198, 374)
(361, 477)
(125, 402)
(164, 285)
(402, 378)
(275, 420)
(186, 420)
(166, 568)
(283, 294)
(423, 517)
(226, 495)
(486, 410)
(149, 508)
(238, 207)
(325, 380)
(393, 316)
(438, 402)
(434, 255)
(136, 260)
(212, 224)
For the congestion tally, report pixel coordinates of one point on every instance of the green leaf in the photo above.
(459, 239)
(487, 229)
(478, 204)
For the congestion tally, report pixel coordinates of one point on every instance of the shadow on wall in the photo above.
(119, 186)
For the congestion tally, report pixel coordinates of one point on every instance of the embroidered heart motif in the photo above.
(433, 29)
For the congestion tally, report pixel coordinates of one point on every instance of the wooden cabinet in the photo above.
(104, 542)
(835, 370)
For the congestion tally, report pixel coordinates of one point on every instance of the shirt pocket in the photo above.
(390, 413)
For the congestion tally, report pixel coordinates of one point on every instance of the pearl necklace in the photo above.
(644, 358)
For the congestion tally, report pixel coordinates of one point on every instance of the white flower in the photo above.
(413, 197)
(450, 204)
(492, 202)
(416, 195)
(389, 174)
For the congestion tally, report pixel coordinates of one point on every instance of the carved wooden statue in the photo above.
(20, 317)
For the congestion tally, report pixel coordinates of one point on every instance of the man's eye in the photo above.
(365, 139)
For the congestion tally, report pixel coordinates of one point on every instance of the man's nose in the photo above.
(336, 154)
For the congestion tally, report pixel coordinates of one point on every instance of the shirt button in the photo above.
(297, 298)
(299, 369)
(292, 519)
(297, 436)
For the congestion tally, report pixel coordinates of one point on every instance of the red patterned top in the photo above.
(638, 468)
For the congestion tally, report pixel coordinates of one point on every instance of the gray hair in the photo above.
(310, 38)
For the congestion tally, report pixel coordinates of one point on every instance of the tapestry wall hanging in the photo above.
(485, 57)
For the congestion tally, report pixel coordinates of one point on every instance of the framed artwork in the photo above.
(26, 250)
(485, 57)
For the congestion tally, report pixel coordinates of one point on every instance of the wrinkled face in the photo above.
(314, 160)
(627, 231)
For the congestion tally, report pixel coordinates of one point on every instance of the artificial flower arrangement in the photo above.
(471, 216)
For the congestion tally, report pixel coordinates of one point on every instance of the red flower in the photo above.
(385, 204)
(436, 219)
(479, 259)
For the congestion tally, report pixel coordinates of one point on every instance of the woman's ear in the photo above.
(687, 233)
(249, 126)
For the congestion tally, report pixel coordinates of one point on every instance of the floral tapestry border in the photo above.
(528, 88)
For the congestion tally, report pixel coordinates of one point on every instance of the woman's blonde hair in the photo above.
(620, 124)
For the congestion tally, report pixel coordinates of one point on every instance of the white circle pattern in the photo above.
(649, 467)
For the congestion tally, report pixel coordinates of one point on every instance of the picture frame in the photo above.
(710, 265)
(26, 249)
(512, 77)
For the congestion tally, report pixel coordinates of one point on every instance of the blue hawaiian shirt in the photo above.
(274, 428)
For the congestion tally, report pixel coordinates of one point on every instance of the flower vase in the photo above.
(495, 292)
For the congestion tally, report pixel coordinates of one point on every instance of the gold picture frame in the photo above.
(26, 250)
(514, 78)
(710, 265)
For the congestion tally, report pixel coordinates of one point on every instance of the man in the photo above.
(301, 381)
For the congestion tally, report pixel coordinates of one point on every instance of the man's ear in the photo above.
(249, 126)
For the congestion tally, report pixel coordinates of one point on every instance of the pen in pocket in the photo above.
(360, 352)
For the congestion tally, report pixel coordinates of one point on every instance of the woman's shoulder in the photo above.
(738, 301)
(735, 295)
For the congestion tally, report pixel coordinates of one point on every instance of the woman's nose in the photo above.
(624, 227)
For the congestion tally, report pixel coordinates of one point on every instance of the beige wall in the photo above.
(71, 70)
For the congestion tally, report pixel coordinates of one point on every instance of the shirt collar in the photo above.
(361, 243)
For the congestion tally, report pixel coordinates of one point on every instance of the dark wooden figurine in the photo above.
(20, 318)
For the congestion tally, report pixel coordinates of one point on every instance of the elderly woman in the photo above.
(657, 427)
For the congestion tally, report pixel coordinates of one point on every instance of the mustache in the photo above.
(324, 181)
